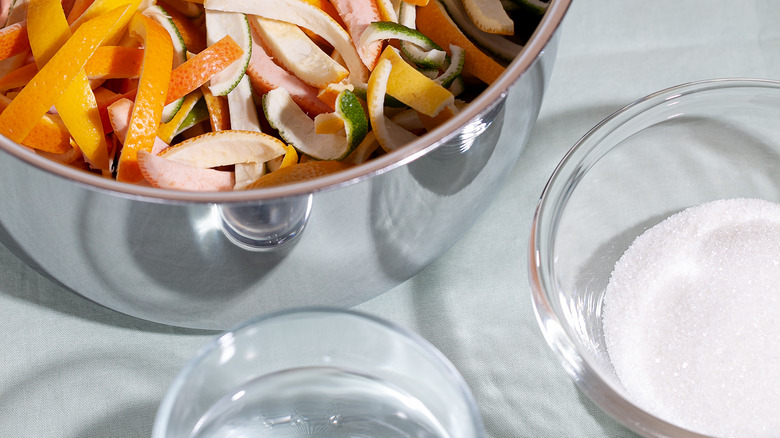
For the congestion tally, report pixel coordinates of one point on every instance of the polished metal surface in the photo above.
(266, 226)
(211, 261)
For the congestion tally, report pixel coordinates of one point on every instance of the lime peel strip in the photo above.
(429, 53)
(298, 129)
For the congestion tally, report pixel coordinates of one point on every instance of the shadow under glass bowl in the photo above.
(671, 150)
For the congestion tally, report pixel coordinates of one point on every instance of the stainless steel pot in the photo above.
(210, 260)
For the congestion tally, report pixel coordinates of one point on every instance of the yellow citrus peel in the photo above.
(413, 88)
(389, 135)
(51, 81)
(150, 97)
(48, 29)
(299, 172)
(101, 7)
(167, 131)
(290, 157)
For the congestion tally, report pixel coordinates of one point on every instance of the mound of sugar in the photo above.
(692, 319)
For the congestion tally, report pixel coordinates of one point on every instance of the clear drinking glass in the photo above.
(671, 150)
(318, 372)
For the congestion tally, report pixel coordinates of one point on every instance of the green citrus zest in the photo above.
(426, 54)
(235, 24)
(297, 129)
(161, 16)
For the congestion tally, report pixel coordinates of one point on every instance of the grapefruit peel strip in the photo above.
(305, 15)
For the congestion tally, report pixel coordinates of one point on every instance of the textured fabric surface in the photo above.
(70, 368)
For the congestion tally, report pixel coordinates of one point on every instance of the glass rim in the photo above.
(436, 356)
(564, 179)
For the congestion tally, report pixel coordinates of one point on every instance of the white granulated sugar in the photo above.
(692, 319)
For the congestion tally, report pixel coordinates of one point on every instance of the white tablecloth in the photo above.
(70, 368)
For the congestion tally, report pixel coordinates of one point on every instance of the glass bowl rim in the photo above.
(437, 358)
(585, 374)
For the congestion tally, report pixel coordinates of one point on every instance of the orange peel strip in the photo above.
(101, 7)
(105, 98)
(78, 8)
(13, 40)
(114, 62)
(219, 114)
(52, 80)
(77, 106)
(48, 135)
(197, 70)
(194, 35)
(72, 157)
(108, 62)
(19, 77)
(150, 97)
(433, 21)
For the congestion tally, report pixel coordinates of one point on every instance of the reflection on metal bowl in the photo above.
(211, 260)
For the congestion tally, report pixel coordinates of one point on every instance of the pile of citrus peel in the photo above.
(222, 95)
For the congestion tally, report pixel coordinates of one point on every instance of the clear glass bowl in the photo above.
(671, 150)
(318, 372)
